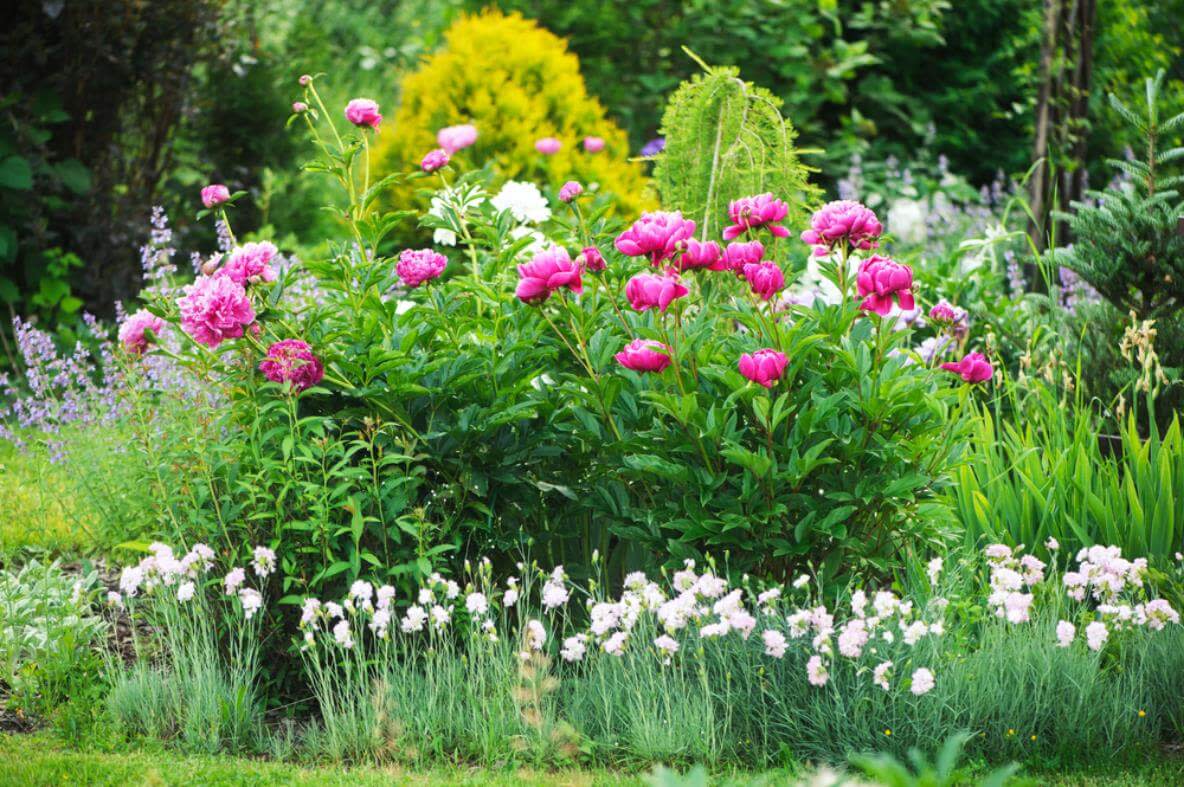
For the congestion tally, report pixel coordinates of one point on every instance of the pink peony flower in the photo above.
(739, 254)
(653, 290)
(215, 308)
(974, 368)
(699, 255)
(765, 278)
(763, 367)
(363, 112)
(593, 144)
(434, 160)
(658, 235)
(548, 146)
(570, 191)
(880, 280)
(943, 312)
(454, 138)
(132, 332)
(416, 266)
(644, 355)
(843, 220)
(214, 194)
(547, 272)
(763, 210)
(250, 263)
(593, 259)
(292, 361)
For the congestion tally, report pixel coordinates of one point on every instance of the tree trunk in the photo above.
(1040, 175)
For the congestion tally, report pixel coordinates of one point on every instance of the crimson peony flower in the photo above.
(880, 280)
(762, 210)
(974, 368)
(763, 367)
(644, 355)
(547, 272)
(292, 361)
(363, 112)
(417, 266)
(653, 290)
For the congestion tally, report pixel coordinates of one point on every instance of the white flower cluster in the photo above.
(162, 569)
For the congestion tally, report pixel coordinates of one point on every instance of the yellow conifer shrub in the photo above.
(517, 83)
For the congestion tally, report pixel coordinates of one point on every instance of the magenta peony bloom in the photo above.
(214, 309)
(548, 146)
(763, 367)
(434, 160)
(291, 361)
(250, 264)
(299, 107)
(974, 368)
(570, 191)
(593, 144)
(363, 112)
(547, 272)
(454, 138)
(214, 194)
(738, 254)
(132, 334)
(416, 266)
(658, 235)
(765, 278)
(763, 210)
(943, 312)
(698, 255)
(843, 220)
(653, 290)
(644, 355)
(880, 280)
(593, 259)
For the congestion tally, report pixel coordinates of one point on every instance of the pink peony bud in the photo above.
(658, 235)
(763, 210)
(292, 361)
(593, 144)
(454, 138)
(765, 278)
(250, 264)
(653, 290)
(434, 160)
(738, 254)
(644, 355)
(305, 80)
(363, 112)
(593, 259)
(570, 191)
(548, 146)
(547, 272)
(299, 107)
(974, 368)
(763, 367)
(698, 255)
(417, 266)
(842, 221)
(138, 329)
(880, 280)
(214, 194)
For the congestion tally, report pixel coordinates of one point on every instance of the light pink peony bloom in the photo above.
(214, 194)
(654, 290)
(644, 355)
(250, 263)
(132, 334)
(698, 255)
(291, 361)
(763, 367)
(763, 210)
(416, 266)
(593, 144)
(842, 221)
(765, 278)
(974, 368)
(434, 160)
(214, 309)
(658, 235)
(593, 259)
(454, 138)
(880, 280)
(299, 107)
(570, 191)
(548, 146)
(547, 272)
(739, 254)
(363, 112)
